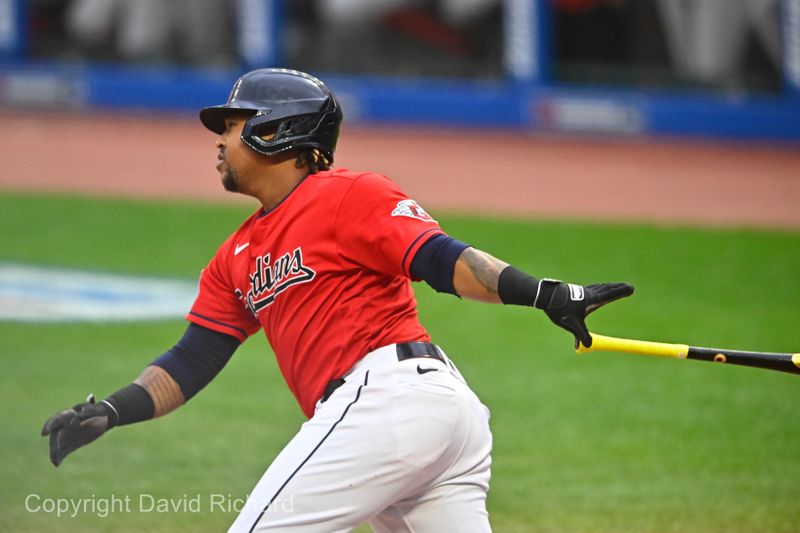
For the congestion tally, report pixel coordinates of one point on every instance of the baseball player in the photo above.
(394, 437)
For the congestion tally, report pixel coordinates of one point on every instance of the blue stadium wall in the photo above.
(525, 100)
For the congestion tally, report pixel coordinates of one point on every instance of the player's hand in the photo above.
(568, 305)
(72, 428)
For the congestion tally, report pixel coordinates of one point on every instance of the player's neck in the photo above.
(277, 182)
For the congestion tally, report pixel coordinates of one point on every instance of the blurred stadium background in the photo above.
(710, 67)
(654, 141)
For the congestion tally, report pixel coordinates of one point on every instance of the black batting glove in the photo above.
(72, 428)
(568, 305)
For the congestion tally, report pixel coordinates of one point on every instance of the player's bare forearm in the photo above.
(476, 275)
(165, 391)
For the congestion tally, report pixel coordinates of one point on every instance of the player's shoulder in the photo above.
(342, 183)
(365, 181)
(348, 177)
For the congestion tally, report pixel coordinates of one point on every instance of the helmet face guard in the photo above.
(293, 110)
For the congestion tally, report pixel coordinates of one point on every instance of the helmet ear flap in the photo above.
(270, 137)
(257, 125)
(267, 137)
(291, 127)
(305, 125)
(256, 128)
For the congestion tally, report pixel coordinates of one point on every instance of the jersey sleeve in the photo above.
(379, 227)
(217, 305)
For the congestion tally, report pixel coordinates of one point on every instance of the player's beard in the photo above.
(229, 181)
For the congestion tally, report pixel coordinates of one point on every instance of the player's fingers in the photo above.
(576, 326)
(581, 333)
(56, 421)
(56, 442)
(604, 293)
(608, 292)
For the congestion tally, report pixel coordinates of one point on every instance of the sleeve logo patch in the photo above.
(411, 209)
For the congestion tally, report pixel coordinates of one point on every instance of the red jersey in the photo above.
(325, 273)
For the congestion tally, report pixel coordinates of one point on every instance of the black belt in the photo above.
(406, 350)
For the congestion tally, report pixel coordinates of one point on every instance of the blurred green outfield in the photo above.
(600, 443)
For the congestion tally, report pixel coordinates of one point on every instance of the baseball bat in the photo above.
(784, 362)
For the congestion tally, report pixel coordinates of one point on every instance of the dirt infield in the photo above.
(684, 182)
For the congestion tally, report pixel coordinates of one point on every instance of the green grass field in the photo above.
(599, 443)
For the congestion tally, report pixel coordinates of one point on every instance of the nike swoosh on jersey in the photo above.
(240, 247)
(421, 370)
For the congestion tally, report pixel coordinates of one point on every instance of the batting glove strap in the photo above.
(547, 294)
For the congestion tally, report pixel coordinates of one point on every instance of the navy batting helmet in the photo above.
(298, 108)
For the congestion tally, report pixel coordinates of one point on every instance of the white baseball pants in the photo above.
(403, 445)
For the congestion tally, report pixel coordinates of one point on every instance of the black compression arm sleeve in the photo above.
(128, 405)
(197, 358)
(435, 262)
(517, 288)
